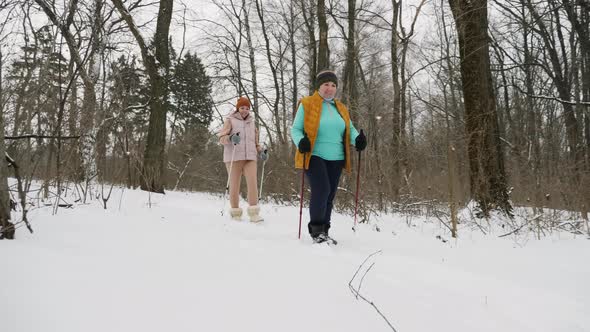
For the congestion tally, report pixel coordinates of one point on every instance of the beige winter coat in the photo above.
(248, 148)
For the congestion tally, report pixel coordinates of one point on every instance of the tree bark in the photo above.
(323, 50)
(252, 57)
(6, 227)
(293, 59)
(349, 84)
(534, 162)
(487, 173)
(396, 116)
(313, 50)
(157, 67)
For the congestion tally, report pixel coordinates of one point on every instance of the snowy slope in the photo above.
(180, 266)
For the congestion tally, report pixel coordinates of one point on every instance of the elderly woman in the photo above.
(323, 132)
(240, 150)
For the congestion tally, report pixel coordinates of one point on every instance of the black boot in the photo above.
(325, 237)
(326, 229)
(315, 228)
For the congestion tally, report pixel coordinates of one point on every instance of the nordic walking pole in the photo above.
(231, 163)
(356, 195)
(262, 177)
(301, 195)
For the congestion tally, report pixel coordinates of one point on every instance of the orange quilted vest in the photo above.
(311, 123)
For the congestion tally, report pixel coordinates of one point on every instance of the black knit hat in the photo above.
(326, 76)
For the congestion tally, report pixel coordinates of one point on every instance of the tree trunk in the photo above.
(251, 51)
(586, 66)
(152, 177)
(396, 130)
(157, 67)
(560, 76)
(284, 118)
(273, 69)
(237, 50)
(580, 21)
(405, 169)
(451, 104)
(89, 78)
(313, 51)
(323, 50)
(293, 59)
(72, 118)
(534, 162)
(6, 227)
(586, 85)
(349, 84)
(486, 162)
(89, 104)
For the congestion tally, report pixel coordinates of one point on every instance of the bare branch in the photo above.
(40, 136)
(356, 291)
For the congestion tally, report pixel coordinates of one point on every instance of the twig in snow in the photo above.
(443, 222)
(364, 275)
(357, 291)
(516, 230)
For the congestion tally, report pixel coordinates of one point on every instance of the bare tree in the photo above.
(230, 43)
(86, 67)
(349, 85)
(323, 49)
(157, 66)
(546, 74)
(309, 17)
(396, 118)
(487, 173)
(292, 30)
(6, 227)
(273, 68)
(252, 53)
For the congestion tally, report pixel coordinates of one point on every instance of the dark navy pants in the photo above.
(323, 177)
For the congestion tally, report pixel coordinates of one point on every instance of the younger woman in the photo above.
(240, 150)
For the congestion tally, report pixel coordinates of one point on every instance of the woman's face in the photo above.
(328, 90)
(244, 111)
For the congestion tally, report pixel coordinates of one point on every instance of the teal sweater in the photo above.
(328, 143)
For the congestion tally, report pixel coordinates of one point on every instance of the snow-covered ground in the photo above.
(178, 265)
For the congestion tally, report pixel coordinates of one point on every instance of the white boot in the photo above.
(236, 213)
(253, 213)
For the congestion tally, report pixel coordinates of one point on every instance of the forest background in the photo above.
(483, 101)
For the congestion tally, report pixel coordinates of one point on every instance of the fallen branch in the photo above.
(443, 222)
(357, 291)
(516, 230)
